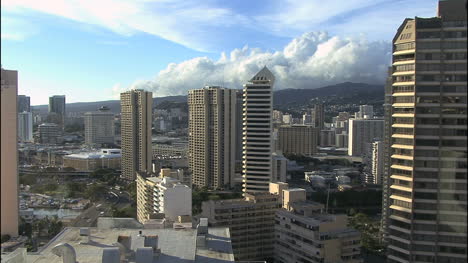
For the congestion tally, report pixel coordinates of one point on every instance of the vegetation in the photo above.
(74, 189)
(351, 198)
(105, 175)
(27, 179)
(369, 232)
(75, 127)
(202, 194)
(129, 211)
(95, 191)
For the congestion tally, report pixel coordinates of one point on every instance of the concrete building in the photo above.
(257, 132)
(99, 127)
(287, 119)
(427, 214)
(341, 140)
(279, 167)
(377, 161)
(24, 103)
(212, 138)
(298, 139)
(307, 118)
(327, 138)
(250, 221)
(304, 233)
(177, 174)
(25, 127)
(277, 116)
(318, 116)
(57, 110)
(162, 195)
(126, 240)
(365, 112)
(90, 161)
(49, 133)
(362, 132)
(136, 115)
(9, 155)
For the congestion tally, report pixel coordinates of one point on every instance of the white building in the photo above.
(287, 119)
(99, 127)
(377, 157)
(365, 112)
(362, 132)
(25, 127)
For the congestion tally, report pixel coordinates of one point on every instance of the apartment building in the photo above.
(298, 139)
(57, 108)
(361, 133)
(428, 177)
(25, 127)
(49, 133)
(99, 127)
(212, 137)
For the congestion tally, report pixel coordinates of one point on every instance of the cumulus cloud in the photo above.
(313, 60)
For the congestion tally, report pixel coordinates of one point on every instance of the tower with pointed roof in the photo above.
(257, 132)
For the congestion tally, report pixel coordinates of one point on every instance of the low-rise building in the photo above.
(90, 161)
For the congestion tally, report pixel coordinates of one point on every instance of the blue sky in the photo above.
(91, 52)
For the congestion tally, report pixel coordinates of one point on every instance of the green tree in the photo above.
(95, 191)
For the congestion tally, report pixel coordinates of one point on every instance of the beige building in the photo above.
(212, 138)
(304, 233)
(136, 115)
(298, 139)
(99, 127)
(162, 195)
(428, 177)
(257, 132)
(105, 158)
(361, 133)
(9, 154)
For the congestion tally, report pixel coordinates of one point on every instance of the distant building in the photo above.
(24, 103)
(365, 112)
(25, 127)
(327, 138)
(177, 174)
(9, 154)
(49, 133)
(362, 132)
(377, 157)
(307, 119)
(298, 139)
(279, 167)
(287, 119)
(341, 140)
(99, 127)
(162, 195)
(136, 115)
(318, 116)
(57, 110)
(212, 138)
(90, 161)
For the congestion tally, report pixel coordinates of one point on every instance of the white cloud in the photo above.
(16, 29)
(310, 61)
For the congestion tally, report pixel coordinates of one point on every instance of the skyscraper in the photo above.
(257, 131)
(99, 127)
(24, 103)
(212, 136)
(25, 127)
(57, 110)
(318, 116)
(9, 155)
(361, 133)
(428, 179)
(136, 115)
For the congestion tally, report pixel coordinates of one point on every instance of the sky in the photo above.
(93, 50)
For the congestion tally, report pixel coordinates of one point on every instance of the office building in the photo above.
(49, 133)
(136, 115)
(327, 138)
(24, 103)
(298, 139)
(57, 110)
(341, 140)
(90, 161)
(257, 132)
(9, 155)
(361, 133)
(377, 161)
(162, 195)
(212, 138)
(318, 116)
(250, 220)
(25, 127)
(307, 118)
(279, 167)
(99, 127)
(305, 233)
(365, 112)
(427, 214)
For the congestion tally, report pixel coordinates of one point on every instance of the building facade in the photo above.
(428, 197)
(212, 137)
(25, 127)
(9, 155)
(365, 112)
(57, 110)
(298, 139)
(318, 116)
(99, 127)
(49, 133)
(361, 133)
(257, 131)
(24, 103)
(136, 115)
(105, 158)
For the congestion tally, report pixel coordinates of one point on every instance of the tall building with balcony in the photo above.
(99, 127)
(212, 136)
(9, 155)
(257, 132)
(427, 212)
(136, 115)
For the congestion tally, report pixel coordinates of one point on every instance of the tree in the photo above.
(95, 191)
(27, 179)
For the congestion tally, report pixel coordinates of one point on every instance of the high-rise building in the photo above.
(9, 155)
(362, 132)
(99, 127)
(49, 133)
(298, 139)
(25, 127)
(307, 118)
(365, 112)
(427, 214)
(377, 161)
(57, 110)
(24, 103)
(212, 138)
(136, 115)
(318, 116)
(257, 132)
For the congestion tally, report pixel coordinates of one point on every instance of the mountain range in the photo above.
(347, 92)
